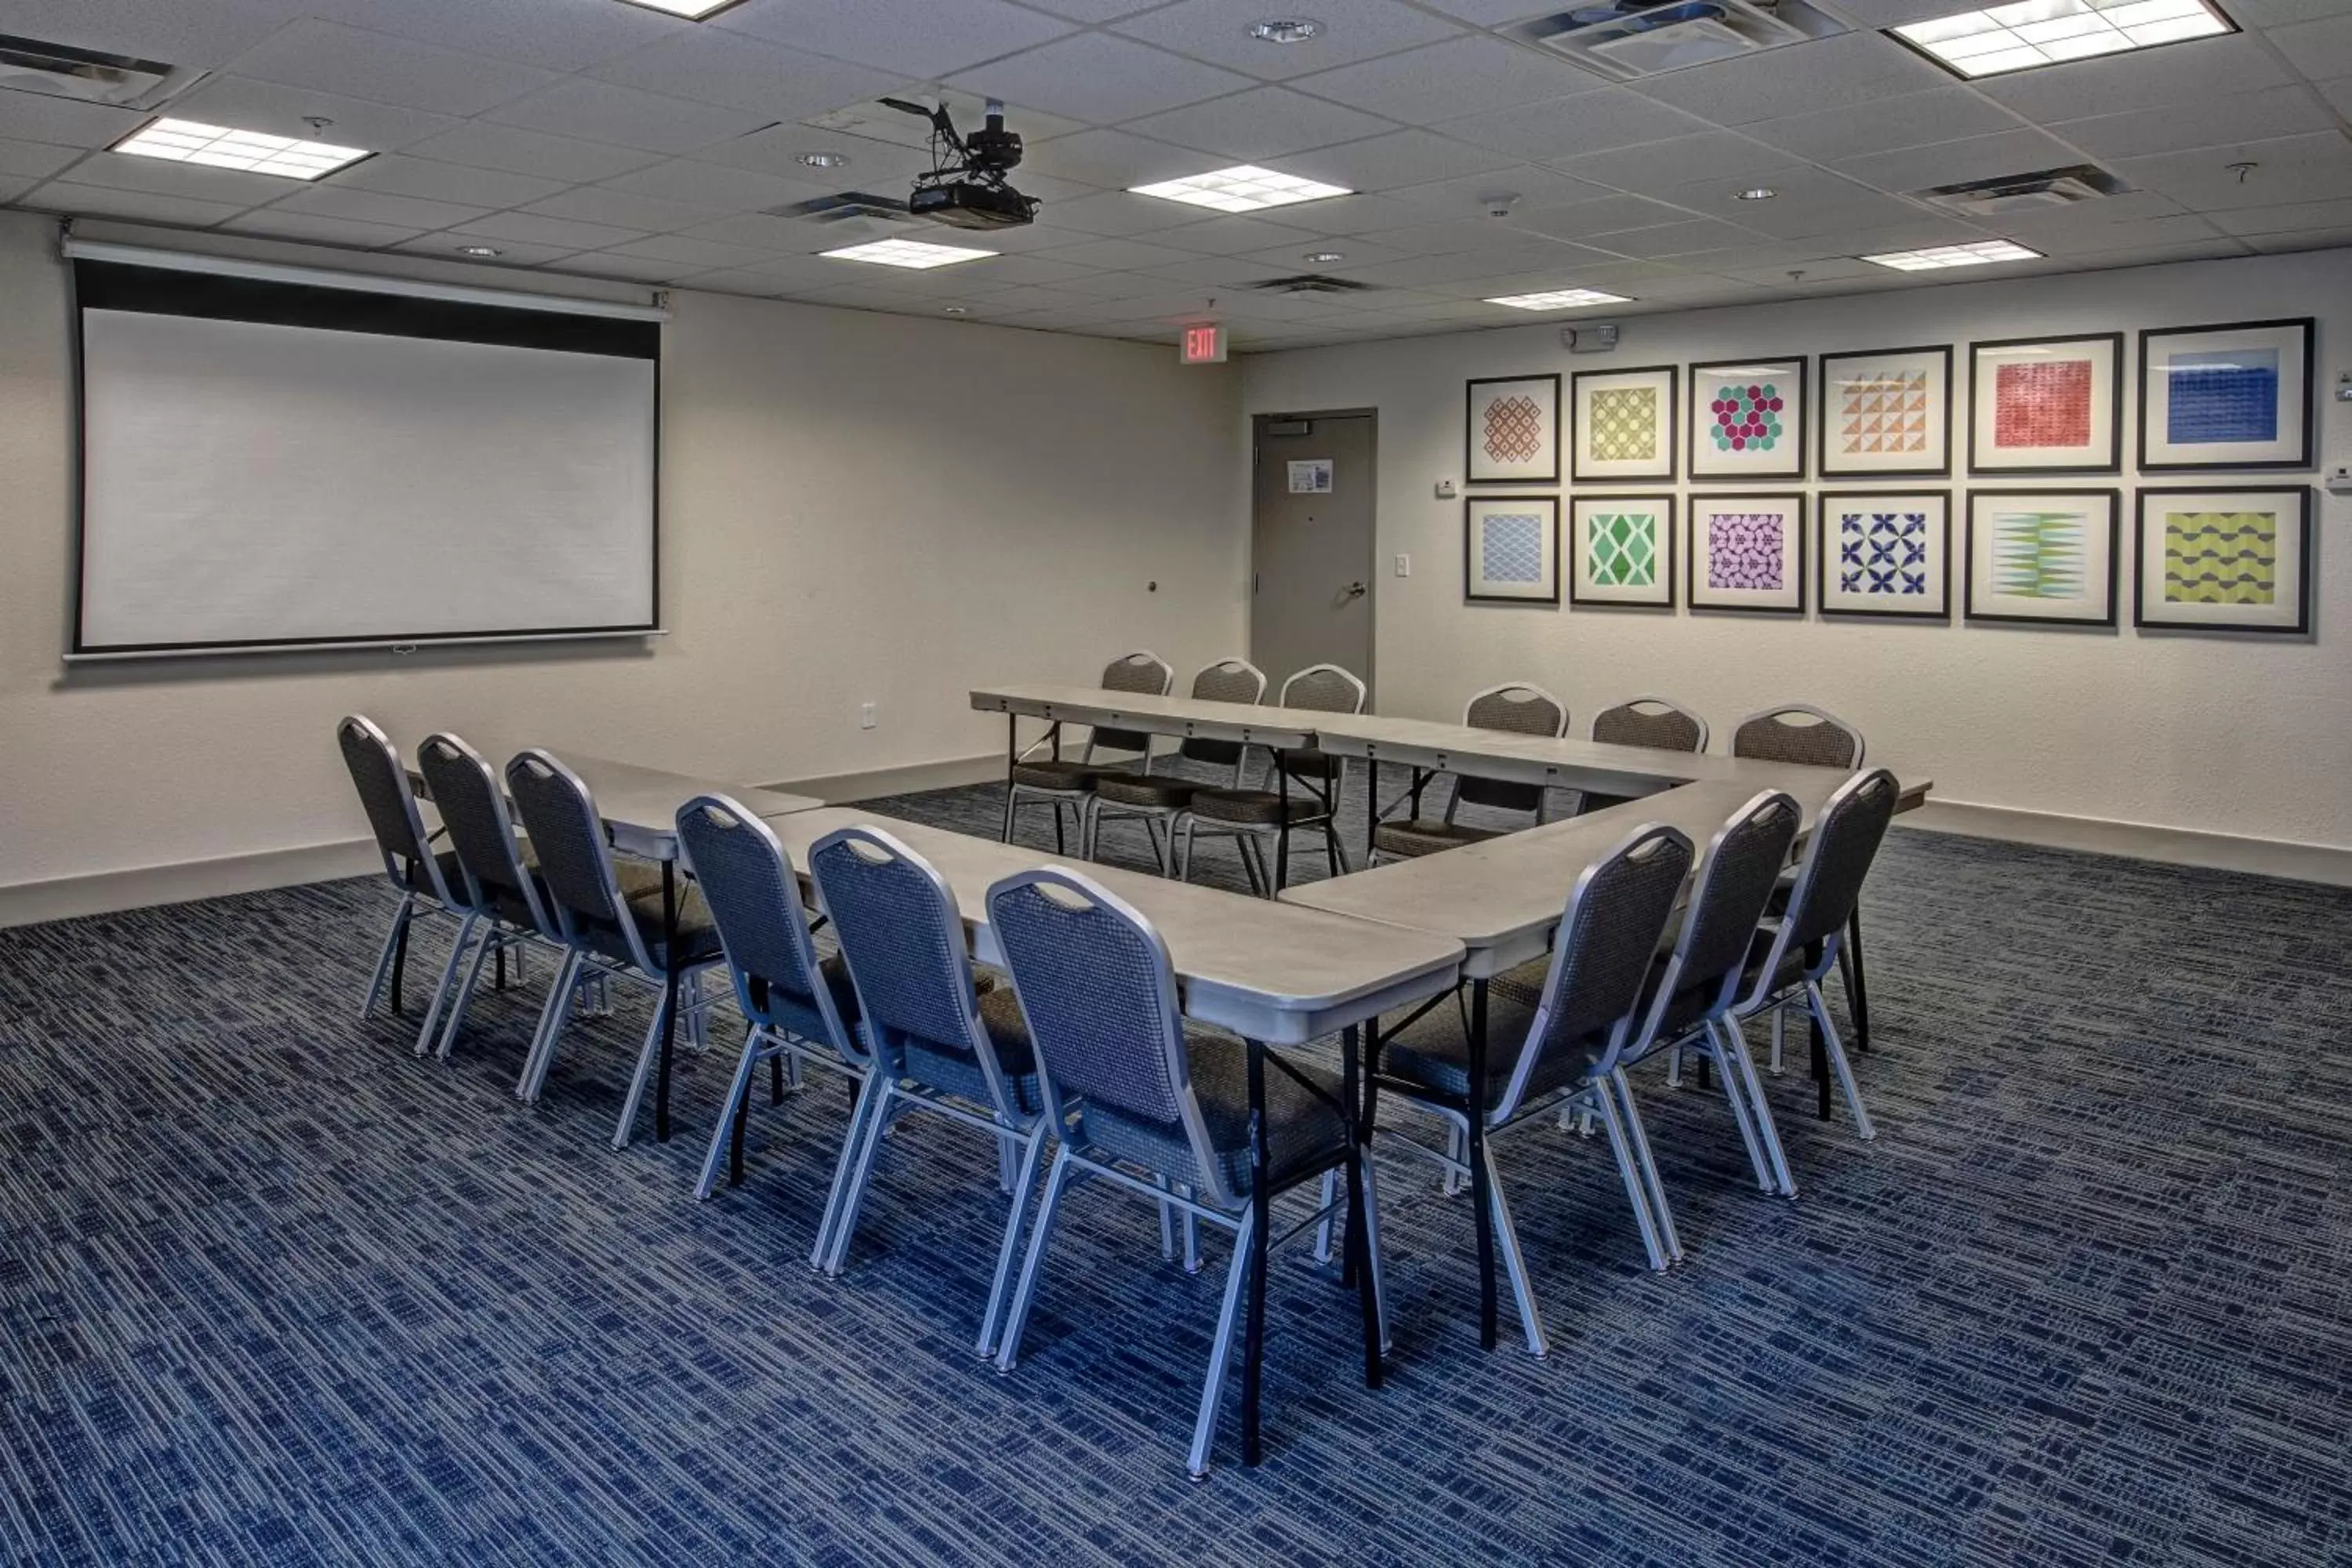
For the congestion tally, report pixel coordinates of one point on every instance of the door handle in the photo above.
(1355, 590)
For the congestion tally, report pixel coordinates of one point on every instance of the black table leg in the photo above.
(1359, 1234)
(1480, 1198)
(400, 957)
(1857, 994)
(669, 997)
(735, 1138)
(1261, 1221)
(1820, 1056)
(1282, 843)
(501, 983)
(1372, 804)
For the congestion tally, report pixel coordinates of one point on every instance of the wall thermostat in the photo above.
(1595, 339)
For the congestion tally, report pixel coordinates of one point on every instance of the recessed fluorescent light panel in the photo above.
(692, 10)
(2051, 32)
(1977, 253)
(1559, 299)
(907, 253)
(218, 147)
(1243, 188)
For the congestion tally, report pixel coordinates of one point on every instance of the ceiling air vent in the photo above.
(1310, 283)
(60, 70)
(844, 205)
(2009, 194)
(1624, 39)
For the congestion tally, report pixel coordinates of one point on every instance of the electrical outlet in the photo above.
(1405, 564)
(865, 716)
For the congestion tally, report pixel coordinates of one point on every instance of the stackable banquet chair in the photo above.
(1516, 707)
(425, 880)
(1148, 1101)
(1657, 723)
(1800, 732)
(1156, 798)
(1068, 783)
(1255, 818)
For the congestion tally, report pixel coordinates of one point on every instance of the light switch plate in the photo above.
(1403, 565)
(1446, 490)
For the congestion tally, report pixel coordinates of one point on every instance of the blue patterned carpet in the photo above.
(273, 1290)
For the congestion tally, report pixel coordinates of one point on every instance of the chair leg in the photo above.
(1735, 1097)
(1191, 1225)
(1089, 825)
(1167, 1223)
(1457, 1148)
(1253, 859)
(1326, 1196)
(1780, 1040)
(459, 945)
(1373, 1248)
(494, 939)
(1638, 1136)
(399, 928)
(861, 1107)
(1621, 1146)
(1221, 1349)
(1011, 799)
(738, 1091)
(645, 1055)
(1041, 1234)
(1015, 1221)
(860, 1175)
(1515, 1265)
(1857, 982)
(1734, 1046)
(1184, 850)
(1838, 1063)
(552, 1019)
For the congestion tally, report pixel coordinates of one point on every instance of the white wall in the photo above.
(855, 507)
(2246, 735)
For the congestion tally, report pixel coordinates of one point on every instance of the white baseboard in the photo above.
(103, 893)
(947, 772)
(2325, 863)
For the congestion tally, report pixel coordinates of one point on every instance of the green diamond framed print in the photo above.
(1885, 552)
(1621, 550)
(2236, 397)
(2043, 557)
(2224, 557)
(1886, 414)
(1510, 548)
(1513, 435)
(1748, 419)
(1623, 422)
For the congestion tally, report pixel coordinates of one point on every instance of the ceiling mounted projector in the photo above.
(966, 187)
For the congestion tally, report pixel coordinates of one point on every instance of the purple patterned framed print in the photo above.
(1746, 552)
(1510, 548)
(1886, 414)
(1621, 550)
(2226, 558)
(1513, 435)
(2237, 396)
(1748, 419)
(1885, 552)
(1623, 425)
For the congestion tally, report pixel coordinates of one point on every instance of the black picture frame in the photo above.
(2140, 616)
(2309, 327)
(1824, 504)
(1469, 424)
(2026, 475)
(1800, 367)
(1470, 505)
(1968, 552)
(1670, 526)
(1822, 419)
(1673, 373)
(1797, 501)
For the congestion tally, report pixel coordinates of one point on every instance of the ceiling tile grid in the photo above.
(603, 139)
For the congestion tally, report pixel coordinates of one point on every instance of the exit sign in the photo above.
(1204, 344)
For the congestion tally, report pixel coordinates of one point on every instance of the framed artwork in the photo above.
(2042, 556)
(1624, 424)
(1510, 548)
(1886, 553)
(1748, 552)
(1886, 414)
(2237, 396)
(1621, 550)
(1514, 431)
(2045, 406)
(2228, 558)
(1748, 419)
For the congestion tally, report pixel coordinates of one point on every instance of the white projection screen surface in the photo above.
(291, 482)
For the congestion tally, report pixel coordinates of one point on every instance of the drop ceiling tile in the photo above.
(915, 38)
(1492, 12)
(778, 149)
(646, 215)
(1112, 160)
(1008, 272)
(1261, 125)
(1819, 271)
(1710, 155)
(1351, 215)
(1386, 163)
(201, 33)
(2153, 79)
(732, 71)
(1232, 271)
(1829, 73)
(765, 232)
(737, 190)
(2320, 48)
(2307, 239)
(1422, 271)
(1898, 13)
(33, 160)
(1102, 79)
(1439, 238)
(410, 213)
(1436, 81)
(279, 110)
(2339, 94)
(315, 230)
(121, 172)
(1232, 235)
(434, 181)
(478, 145)
(627, 269)
(731, 280)
(1117, 213)
(1603, 214)
(2130, 206)
(385, 69)
(1469, 199)
(878, 121)
(2208, 122)
(559, 35)
(2303, 215)
(1590, 122)
(564, 234)
(1673, 239)
(2292, 169)
(98, 201)
(1886, 125)
(2283, 13)
(1353, 253)
(61, 121)
(1951, 162)
(1809, 220)
(601, 111)
(1218, 31)
(1117, 254)
(510, 252)
(2086, 239)
(708, 254)
(1106, 286)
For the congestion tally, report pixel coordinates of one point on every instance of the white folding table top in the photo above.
(1194, 718)
(1266, 970)
(639, 805)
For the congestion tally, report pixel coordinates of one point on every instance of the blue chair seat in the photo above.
(957, 1072)
(1303, 1130)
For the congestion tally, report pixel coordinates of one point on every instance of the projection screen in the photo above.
(277, 464)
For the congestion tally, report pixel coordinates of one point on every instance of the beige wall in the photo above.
(855, 507)
(2243, 735)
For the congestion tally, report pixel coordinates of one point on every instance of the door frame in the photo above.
(1371, 571)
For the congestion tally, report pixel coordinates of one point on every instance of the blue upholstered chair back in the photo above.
(1743, 866)
(755, 900)
(466, 792)
(1838, 857)
(391, 806)
(576, 865)
(902, 937)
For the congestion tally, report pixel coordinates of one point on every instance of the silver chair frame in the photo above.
(1849, 956)
(434, 899)
(1160, 821)
(1018, 794)
(1453, 797)
(1251, 836)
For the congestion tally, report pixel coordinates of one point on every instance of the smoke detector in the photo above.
(1624, 39)
(60, 70)
(2031, 192)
